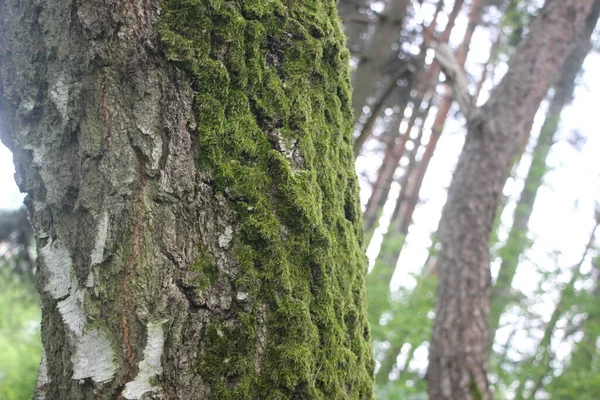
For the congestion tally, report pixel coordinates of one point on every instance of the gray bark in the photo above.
(377, 50)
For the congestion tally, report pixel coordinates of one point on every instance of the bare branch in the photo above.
(456, 75)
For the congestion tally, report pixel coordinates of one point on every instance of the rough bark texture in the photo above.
(408, 203)
(458, 357)
(189, 172)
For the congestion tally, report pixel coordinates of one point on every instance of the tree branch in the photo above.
(456, 75)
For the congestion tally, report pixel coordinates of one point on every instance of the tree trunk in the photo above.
(517, 241)
(425, 81)
(366, 131)
(409, 72)
(386, 32)
(189, 176)
(410, 202)
(458, 357)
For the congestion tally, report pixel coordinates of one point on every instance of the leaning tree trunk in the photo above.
(517, 242)
(458, 357)
(189, 175)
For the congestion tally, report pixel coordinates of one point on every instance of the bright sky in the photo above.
(10, 197)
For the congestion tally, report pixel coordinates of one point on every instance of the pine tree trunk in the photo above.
(458, 355)
(189, 176)
(410, 202)
(517, 241)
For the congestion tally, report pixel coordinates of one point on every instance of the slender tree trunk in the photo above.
(385, 175)
(368, 72)
(411, 201)
(367, 128)
(189, 175)
(458, 356)
(517, 241)
(412, 181)
(387, 170)
(407, 184)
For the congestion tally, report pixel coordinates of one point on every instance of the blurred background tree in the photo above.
(537, 317)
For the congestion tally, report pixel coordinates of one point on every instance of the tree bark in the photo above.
(409, 71)
(386, 32)
(189, 176)
(411, 201)
(458, 357)
(517, 242)
(426, 80)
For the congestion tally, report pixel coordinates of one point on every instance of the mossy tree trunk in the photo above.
(189, 175)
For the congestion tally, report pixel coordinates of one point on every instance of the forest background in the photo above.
(545, 262)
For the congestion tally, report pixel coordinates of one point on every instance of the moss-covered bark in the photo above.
(273, 125)
(190, 176)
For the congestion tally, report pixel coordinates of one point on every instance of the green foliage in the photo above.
(275, 136)
(399, 391)
(378, 283)
(20, 343)
(399, 318)
(206, 269)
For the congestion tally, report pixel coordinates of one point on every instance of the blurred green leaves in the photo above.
(20, 343)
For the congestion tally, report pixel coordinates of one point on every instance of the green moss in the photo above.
(205, 269)
(274, 130)
(475, 392)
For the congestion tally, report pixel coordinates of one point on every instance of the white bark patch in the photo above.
(226, 237)
(58, 263)
(101, 234)
(147, 125)
(94, 357)
(150, 367)
(89, 282)
(72, 313)
(42, 378)
(156, 153)
(27, 105)
(59, 93)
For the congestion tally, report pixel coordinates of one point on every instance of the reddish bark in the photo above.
(385, 173)
(440, 119)
(458, 356)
